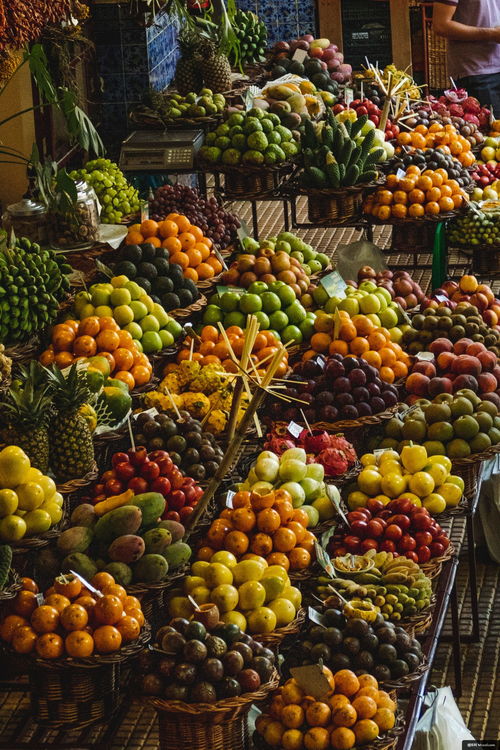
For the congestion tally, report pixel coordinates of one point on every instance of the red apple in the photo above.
(149, 470)
(138, 485)
(113, 487)
(176, 500)
(172, 515)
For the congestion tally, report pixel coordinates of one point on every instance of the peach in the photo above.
(412, 399)
(490, 318)
(493, 397)
(475, 348)
(460, 297)
(485, 289)
(488, 360)
(418, 384)
(487, 382)
(460, 346)
(426, 368)
(466, 365)
(496, 308)
(465, 381)
(468, 284)
(440, 345)
(401, 301)
(496, 372)
(480, 301)
(449, 287)
(440, 385)
(445, 360)
(411, 301)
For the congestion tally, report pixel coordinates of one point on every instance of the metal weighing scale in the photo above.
(155, 151)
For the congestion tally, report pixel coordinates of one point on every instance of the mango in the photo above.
(176, 529)
(81, 564)
(126, 549)
(83, 515)
(157, 540)
(74, 539)
(150, 569)
(297, 102)
(121, 572)
(124, 520)
(177, 554)
(152, 505)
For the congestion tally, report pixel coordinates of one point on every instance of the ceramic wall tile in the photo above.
(109, 58)
(135, 59)
(113, 87)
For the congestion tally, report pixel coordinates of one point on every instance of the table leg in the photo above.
(255, 220)
(457, 662)
(471, 552)
(286, 219)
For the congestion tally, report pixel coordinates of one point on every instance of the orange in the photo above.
(292, 716)
(204, 250)
(172, 217)
(25, 603)
(291, 692)
(86, 601)
(236, 542)
(205, 271)
(347, 331)
(400, 197)
(259, 502)
(424, 183)
(345, 716)
(129, 628)
(79, 644)
(261, 544)
(107, 341)
(125, 377)
(47, 357)
(215, 263)
(196, 231)
(318, 714)
(434, 194)
(342, 738)
(182, 222)
(155, 241)
(297, 528)
(416, 211)
(292, 739)
(268, 520)
(284, 540)
(432, 208)
(101, 580)
(243, 518)
(404, 138)
(141, 374)
(63, 359)
(168, 229)
(241, 499)
(191, 273)
(385, 700)
(359, 346)
(149, 228)
(373, 358)
(399, 211)
(124, 359)
(400, 370)
(300, 558)
(285, 509)
(446, 204)
(442, 172)
(89, 326)
(365, 707)
(307, 542)
(187, 240)
(45, 619)
(367, 680)
(278, 558)
(209, 333)
(413, 169)
(58, 601)
(346, 682)
(134, 238)
(49, 646)
(107, 639)
(387, 374)
(391, 181)
(180, 258)
(9, 625)
(337, 701)
(108, 609)
(74, 617)
(377, 340)
(172, 244)
(320, 342)
(365, 731)
(24, 639)
(387, 356)
(205, 553)
(416, 196)
(317, 738)
(131, 602)
(455, 187)
(408, 183)
(363, 325)
(457, 199)
(109, 324)
(384, 719)
(385, 197)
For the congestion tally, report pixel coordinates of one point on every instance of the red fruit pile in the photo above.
(334, 452)
(140, 471)
(398, 527)
(403, 290)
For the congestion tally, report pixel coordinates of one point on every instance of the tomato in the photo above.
(367, 544)
(387, 546)
(124, 470)
(352, 543)
(119, 458)
(375, 529)
(407, 543)
(412, 556)
(149, 470)
(400, 520)
(393, 532)
(172, 515)
(423, 554)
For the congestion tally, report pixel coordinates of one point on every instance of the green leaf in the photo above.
(38, 63)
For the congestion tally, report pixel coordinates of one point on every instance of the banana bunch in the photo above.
(251, 33)
(337, 154)
(397, 586)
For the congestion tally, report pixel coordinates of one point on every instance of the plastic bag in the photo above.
(351, 257)
(441, 727)
(489, 506)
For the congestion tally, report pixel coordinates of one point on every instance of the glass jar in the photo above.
(79, 227)
(28, 218)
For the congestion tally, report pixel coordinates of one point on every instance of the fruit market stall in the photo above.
(232, 479)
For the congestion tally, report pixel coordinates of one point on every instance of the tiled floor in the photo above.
(480, 702)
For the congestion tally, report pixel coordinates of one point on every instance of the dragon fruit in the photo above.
(334, 461)
(339, 441)
(484, 117)
(316, 442)
(278, 444)
(456, 110)
(471, 105)
(469, 117)
(455, 95)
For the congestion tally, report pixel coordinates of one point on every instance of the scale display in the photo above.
(150, 151)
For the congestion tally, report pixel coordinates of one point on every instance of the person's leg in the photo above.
(486, 88)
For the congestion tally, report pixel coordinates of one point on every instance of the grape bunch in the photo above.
(214, 221)
(117, 197)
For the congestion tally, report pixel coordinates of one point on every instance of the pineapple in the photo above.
(71, 447)
(188, 71)
(216, 68)
(27, 410)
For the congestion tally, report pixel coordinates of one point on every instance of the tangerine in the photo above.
(262, 544)
(58, 601)
(25, 603)
(107, 639)
(365, 706)
(49, 646)
(24, 640)
(168, 229)
(365, 731)
(346, 682)
(317, 738)
(101, 580)
(285, 510)
(149, 228)
(107, 340)
(243, 518)
(284, 540)
(236, 542)
(278, 558)
(129, 628)
(9, 625)
(79, 644)
(45, 619)
(28, 584)
(108, 609)
(292, 716)
(384, 719)
(318, 714)
(74, 617)
(89, 326)
(268, 520)
(345, 716)
(300, 558)
(342, 738)
(292, 739)
(187, 241)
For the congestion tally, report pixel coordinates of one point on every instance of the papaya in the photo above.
(120, 521)
(74, 539)
(150, 569)
(177, 554)
(176, 529)
(151, 504)
(121, 572)
(81, 564)
(127, 548)
(157, 540)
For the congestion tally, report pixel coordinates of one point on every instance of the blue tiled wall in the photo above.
(285, 19)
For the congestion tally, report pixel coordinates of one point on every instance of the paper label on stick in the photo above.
(39, 599)
(348, 95)
(314, 616)
(312, 680)
(323, 559)
(400, 174)
(440, 297)
(219, 258)
(86, 584)
(242, 231)
(378, 452)
(150, 412)
(327, 535)
(294, 429)
(103, 268)
(229, 498)
(334, 501)
(223, 289)
(425, 356)
(300, 55)
(333, 284)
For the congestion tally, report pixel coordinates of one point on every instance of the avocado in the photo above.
(162, 266)
(126, 268)
(148, 251)
(133, 253)
(147, 270)
(185, 297)
(144, 283)
(170, 301)
(162, 284)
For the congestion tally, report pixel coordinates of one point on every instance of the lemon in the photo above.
(12, 528)
(225, 558)
(30, 496)
(284, 611)
(259, 558)
(191, 582)
(356, 499)
(235, 618)
(453, 479)
(53, 509)
(437, 471)
(388, 455)
(179, 606)
(8, 502)
(37, 521)
(293, 594)
(444, 460)
(414, 499)
(262, 620)
(276, 570)
(58, 499)
(252, 595)
(14, 466)
(451, 493)
(273, 585)
(391, 466)
(434, 503)
(48, 486)
(225, 597)
(383, 499)
(422, 484)
(199, 568)
(201, 595)
(217, 574)
(247, 570)
(369, 481)
(368, 459)
(34, 475)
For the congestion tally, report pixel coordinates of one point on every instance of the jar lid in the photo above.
(26, 207)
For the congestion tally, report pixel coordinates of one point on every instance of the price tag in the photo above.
(235, 289)
(86, 584)
(150, 412)
(144, 210)
(333, 284)
(299, 55)
(334, 501)
(39, 599)
(320, 361)
(323, 559)
(348, 96)
(104, 269)
(312, 680)
(314, 616)
(229, 498)
(294, 429)
(220, 258)
(440, 297)
(404, 315)
(400, 174)
(378, 452)
(425, 356)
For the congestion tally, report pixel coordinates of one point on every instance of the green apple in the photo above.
(298, 256)
(146, 299)
(295, 312)
(296, 454)
(283, 246)
(312, 514)
(266, 469)
(278, 320)
(139, 309)
(315, 471)
(174, 327)
(307, 328)
(297, 493)
(292, 470)
(103, 311)
(312, 488)
(120, 297)
(100, 295)
(85, 311)
(123, 314)
(270, 302)
(166, 338)
(151, 342)
(263, 320)
(350, 305)
(286, 295)
(368, 286)
(235, 318)
(134, 289)
(388, 317)
(314, 265)
(229, 301)
(81, 300)
(250, 303)
(150, 323)
(320, 295)
(257, 287)
(160, 315)
(370, 304)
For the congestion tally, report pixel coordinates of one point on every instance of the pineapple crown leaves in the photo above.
(219, 31)
(70, 388)
(28, 403)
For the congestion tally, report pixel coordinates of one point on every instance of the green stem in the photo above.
(22, 112)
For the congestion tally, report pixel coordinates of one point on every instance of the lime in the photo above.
(291, 333)
(149, 323)
(278, 320)
(166, 338)
(262, 319)
(235, 318)
(257, 287)
(151, 342)
(250, 303)
(276, 152)
(286, 295)
(212, 314)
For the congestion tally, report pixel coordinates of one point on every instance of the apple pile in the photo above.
(346, 388)
(141, 472)
(467, 289)
(320, 49)
(399, 527)
(486, 174)
(406, 292)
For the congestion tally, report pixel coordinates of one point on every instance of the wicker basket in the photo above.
(12, 587)
(432, 569)
(437, 66)
(72, 485)
(469, 468)
(186, 312)
(23, 352)
(275, 638)
(208, 726)
(240, 182)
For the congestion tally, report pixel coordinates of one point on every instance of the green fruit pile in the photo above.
(310, 259)
(128, 541)
(275, 306)
(251, 33)
(451, 425)
(476, 227)
(32, 284)
(441, 322)
(205, 103)
(117, 197)
(253, 137)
